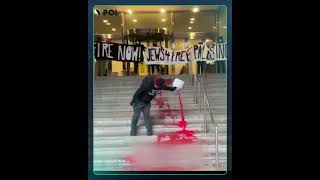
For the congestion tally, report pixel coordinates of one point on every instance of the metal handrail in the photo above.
(208, 104)
(198, 85)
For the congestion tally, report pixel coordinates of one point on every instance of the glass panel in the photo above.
(147, 20)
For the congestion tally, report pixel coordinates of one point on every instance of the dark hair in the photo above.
(160, 81)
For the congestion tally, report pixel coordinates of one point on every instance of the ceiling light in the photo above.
(109, 36)
(192, 19)
(105, 21)
(135, 20)
(108, 24)
(129, 11)
(113, 29)
(163, 20)
(191, 22)
(162, 10)
(195, 10)
(189, 27)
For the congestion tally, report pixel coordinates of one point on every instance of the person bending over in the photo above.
(148, 89)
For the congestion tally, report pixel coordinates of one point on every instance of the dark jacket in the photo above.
(147, 90)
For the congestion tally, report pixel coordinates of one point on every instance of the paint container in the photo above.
(178, 83)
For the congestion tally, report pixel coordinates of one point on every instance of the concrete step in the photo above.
(119, 152)
(113, 98)
(124, 162)
(173, 105)
(138, 83)
(131, 90)
(111, 84)
(172, 99)
(110, 94)
(140, 80)
(126, 105)
(104, 142)
(169, 97)
(135, 85)
(185, 78)
(104, 102)
(208, 152)
(153, 108)
(129, 114)
(124, 101)
(209, 166)
(166, 122)
(123, 104)
(121, 121)
(124, 131)
(108, 150)
(111, 130)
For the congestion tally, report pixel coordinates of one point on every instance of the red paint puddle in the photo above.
(171, 147)
(179, 137)
(176, 155)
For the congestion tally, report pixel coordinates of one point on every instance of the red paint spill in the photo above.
(178, 137)
(182, 123)
(164, 109)
(170, 148)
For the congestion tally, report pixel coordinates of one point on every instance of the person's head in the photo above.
(159, 82)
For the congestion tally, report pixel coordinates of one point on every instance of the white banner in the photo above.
(160, 55)
(199, 52)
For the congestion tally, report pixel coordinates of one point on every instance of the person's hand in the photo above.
(176, 91)
(174, 88)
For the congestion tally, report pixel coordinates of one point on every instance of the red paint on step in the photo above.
(181, 107)
(178, 137)
(166, 157)
(170, 148)
(168, 82)
(164, 109)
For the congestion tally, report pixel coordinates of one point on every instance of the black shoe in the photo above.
(149, 133)
(132, 133)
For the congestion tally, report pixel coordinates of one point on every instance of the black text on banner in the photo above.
(118, 52)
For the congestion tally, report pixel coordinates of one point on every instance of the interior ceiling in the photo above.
(204, 20)
(155, 8)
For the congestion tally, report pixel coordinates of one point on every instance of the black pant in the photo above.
(136, 64)
(139, 107)
(152, 68)
(200, 67)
